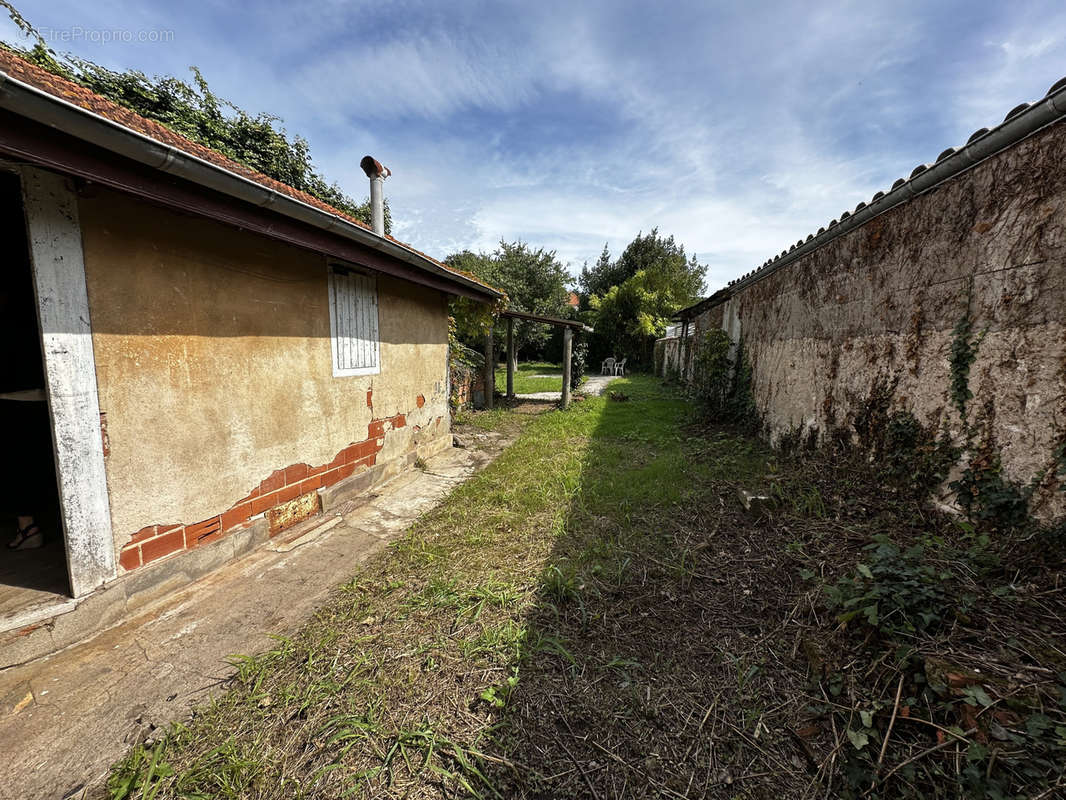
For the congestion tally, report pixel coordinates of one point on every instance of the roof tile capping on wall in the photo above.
(1019, 123)
(868, 312)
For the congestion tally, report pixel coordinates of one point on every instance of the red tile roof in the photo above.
(45, 81)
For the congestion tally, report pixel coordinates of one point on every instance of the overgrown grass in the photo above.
(594, 616)
(526, 383)
(498, 419)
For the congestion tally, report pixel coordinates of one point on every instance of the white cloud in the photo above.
(427, 77)
(737, 129)
(1018, 64)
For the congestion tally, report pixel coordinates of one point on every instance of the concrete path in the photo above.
(593, 386)
(65, 718)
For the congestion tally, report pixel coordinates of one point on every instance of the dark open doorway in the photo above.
(34, 576)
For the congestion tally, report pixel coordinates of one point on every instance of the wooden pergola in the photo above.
(568, 326)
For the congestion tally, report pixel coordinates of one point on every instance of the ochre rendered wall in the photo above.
(213, 356)
(877, 307)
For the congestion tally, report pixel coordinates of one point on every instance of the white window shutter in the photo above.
(354, 322)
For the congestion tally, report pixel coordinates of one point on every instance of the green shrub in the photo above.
(987, 497)
(579, 356)
(912, 456)
(722, 382)
(895, 591)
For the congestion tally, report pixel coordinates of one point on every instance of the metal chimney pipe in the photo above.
(377, 174)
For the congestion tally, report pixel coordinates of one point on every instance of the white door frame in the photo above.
(54, 236)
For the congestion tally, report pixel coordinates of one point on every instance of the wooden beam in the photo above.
(512, 360)
(23, 140)
(490, 371)
(568, 335)
(571, 323)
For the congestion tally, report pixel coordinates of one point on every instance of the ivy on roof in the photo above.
(195, 112)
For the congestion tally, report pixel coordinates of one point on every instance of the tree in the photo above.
(598, 279)
(534, 280)
(654, 281)
(651, 253)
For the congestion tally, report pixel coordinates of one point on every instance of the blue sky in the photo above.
(737, 127)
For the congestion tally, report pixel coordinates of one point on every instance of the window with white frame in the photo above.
(353, 321)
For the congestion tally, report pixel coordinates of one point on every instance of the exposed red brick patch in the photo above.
(274, 482)
(331, 477)
(262, 503)
(144, 533)
(369, 398)
(130, 558)
(206, 538)
(282, 486)
(295, 473)
(205, 526)
(161, 546)
(203, 532)
(237, 515)
(288, 493)
(310, 484)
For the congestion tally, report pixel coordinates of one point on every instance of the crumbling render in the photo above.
(285, 496)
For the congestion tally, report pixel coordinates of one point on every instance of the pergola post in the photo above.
(511, 358)
(490, 371)
(568, 335)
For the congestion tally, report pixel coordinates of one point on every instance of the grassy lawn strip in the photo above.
(525, 383)
(595, 616)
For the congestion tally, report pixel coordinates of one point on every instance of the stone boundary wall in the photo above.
(877, 316)
(668, 354)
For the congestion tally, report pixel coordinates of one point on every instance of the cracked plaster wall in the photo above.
(213, 358)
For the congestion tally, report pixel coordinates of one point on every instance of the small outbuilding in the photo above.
(205, 355)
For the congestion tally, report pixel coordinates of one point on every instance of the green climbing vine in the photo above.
(197, 113)
(963, 353)
(918, 457)
(983, 492)
(722, 380)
